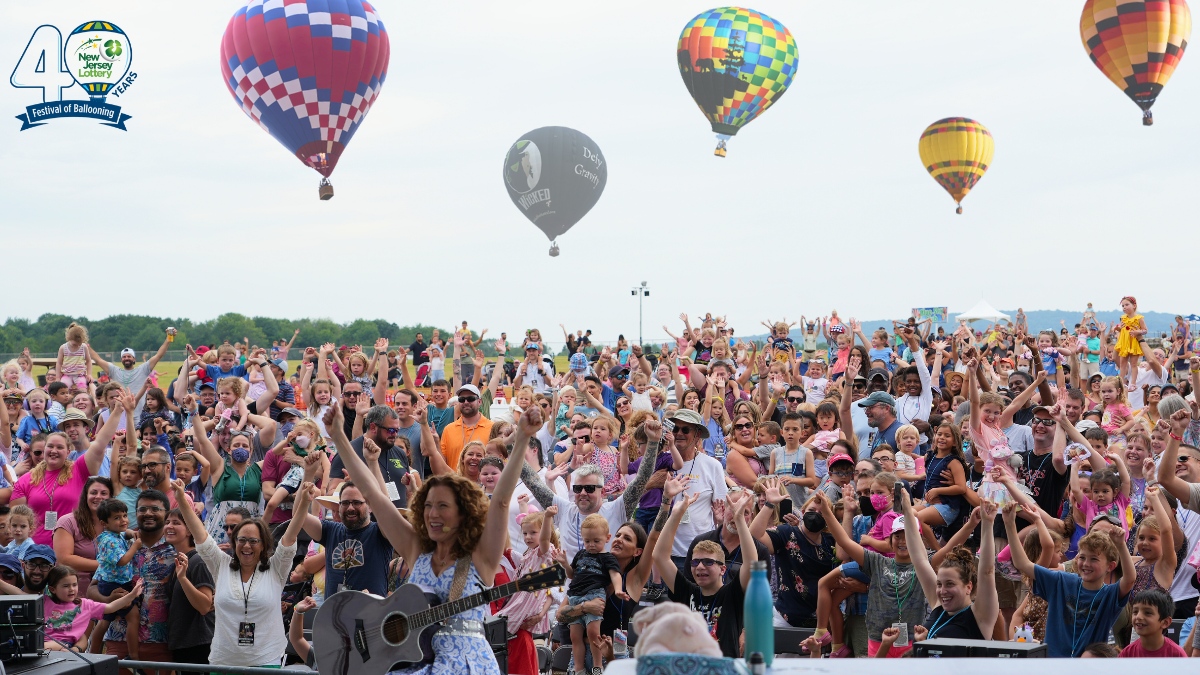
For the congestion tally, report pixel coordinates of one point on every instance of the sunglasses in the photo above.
(795, 399)
(744, 425)
(351, 393)
(587, 438)
(1042, 421)
(1183, 459)
(585, 488)
(683, 430)
(467, 399)
(707, 562)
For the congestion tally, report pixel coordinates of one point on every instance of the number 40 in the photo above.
(41, 65)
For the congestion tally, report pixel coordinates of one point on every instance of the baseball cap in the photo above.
(877, 397)
(1083, 425)
(878, 372)
(291, 411)
(280, 364)
(128, 352)
(201, 350)
(469, 388)
(840, 457)
(897, 525)
(39, 551)
(209, 385)
(579, 363)
(1040, 408)
(532, 345)
(619, 370)
(11, 562)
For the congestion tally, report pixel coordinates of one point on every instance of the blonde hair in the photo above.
(462, 465)
(710, 547)
(595, 522)
(905, 430)
(226, 349)
(235, 384)
(313, 406)
(359, 356)
(25, 512)
(76, 333)
(990, 398)
(38, 474)
(309, 426)
(567, 390)
(535, 520)
(1116, 382)
(641, 377)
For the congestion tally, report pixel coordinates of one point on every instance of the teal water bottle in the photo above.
(758, 614)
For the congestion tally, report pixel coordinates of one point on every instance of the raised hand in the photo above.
(363, 405)
(653, 428)
(371, 450)
(381, 345)
(181, 565)
(674, 487)
(1179, 422)
(988, 511)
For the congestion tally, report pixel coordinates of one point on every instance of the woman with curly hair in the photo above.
(452, 530)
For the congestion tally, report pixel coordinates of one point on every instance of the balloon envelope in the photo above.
(736, 63)
(555, 175)
(307, 72)
(956, 151)
(1136, 44)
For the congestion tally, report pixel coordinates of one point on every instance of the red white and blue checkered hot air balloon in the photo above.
(307, 71)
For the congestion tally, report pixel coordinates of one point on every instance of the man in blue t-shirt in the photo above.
(356, 551)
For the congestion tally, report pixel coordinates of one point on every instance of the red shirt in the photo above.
(1136, 650)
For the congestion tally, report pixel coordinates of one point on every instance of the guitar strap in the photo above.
(459, 583)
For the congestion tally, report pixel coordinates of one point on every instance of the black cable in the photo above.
(78, 655)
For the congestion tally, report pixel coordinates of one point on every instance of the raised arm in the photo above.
(94, 456)
(1166, 467)
(206, 447)
(633, 491)
(100, 363)
(1024, 397)
(495, 532)
(662, 548)
(852, 548)
(1019, 559)
(162, 351)
(912, 533)
(987, 602)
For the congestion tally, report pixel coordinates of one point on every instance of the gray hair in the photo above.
(378, 413)
(1169, 405)
(589, 470)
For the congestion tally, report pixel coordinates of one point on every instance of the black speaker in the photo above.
(954, 648)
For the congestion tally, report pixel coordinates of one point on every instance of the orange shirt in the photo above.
(456, 436)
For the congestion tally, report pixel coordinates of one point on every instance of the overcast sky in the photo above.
(822, 202)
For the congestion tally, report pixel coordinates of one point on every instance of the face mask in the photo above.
(240, 455)
(866, 507)
(814, 522)
(881, 502)
(302, 442)
(286, 428)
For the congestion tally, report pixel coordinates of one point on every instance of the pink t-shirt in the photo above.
(48, 496)
(67, 622)
(883, 529)
(1118, 508)
(1138, 651)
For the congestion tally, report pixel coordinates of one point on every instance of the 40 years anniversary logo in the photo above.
(96, 56)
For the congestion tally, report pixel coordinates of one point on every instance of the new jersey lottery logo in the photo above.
(96, 57)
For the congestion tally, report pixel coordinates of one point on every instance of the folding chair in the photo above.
(561, 661)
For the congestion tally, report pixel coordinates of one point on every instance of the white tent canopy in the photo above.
(983, 311)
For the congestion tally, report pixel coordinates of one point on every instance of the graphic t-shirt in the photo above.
(591, 572)
(67, 622)
(355, 559)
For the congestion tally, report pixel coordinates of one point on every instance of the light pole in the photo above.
(640, 292)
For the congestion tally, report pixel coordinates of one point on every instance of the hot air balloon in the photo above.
(307, 72)
(956, 151)
(1137, 45)
(98, 54)
(555, 175)
(735, 63)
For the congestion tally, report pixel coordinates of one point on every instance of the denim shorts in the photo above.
(580, 599)
(106, 588)
(948, 513)
(851, 570)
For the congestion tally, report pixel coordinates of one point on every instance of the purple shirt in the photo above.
(653, 498)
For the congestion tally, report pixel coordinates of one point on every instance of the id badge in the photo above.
(687, 516)
(51, 520)
(901, 641)
(245, 634)
(620, 644)
(342, 587)
(392, 493)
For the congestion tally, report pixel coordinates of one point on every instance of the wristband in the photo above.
(1172, 435)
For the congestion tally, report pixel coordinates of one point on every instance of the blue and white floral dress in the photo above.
(454, 651)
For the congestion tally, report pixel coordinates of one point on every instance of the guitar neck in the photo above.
(442, 612)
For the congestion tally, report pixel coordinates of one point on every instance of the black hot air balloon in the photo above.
(555, 175)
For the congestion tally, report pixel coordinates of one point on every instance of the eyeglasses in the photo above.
(467, 399)
(41, 567)
(248, 541)
(622, 402)
(1042, 421)
(6, 574)
(230, 528)
(355, 503)
(884, 458)
(583, 439)
(864, 474)
(795, 399)
(352, 393)
(744, 425)
(151, 465)
(707, 562)
(620, 377)
(150, 509)
(842, 474)
(860, 385)
(585, 488)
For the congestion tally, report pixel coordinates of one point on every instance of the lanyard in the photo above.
(912, 584)
(246, 594)
(50, 481)
(945, 620)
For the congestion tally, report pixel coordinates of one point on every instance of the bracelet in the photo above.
(1172, 435)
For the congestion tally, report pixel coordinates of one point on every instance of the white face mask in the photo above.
(302, 442)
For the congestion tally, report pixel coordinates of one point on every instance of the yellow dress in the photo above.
(1127, 343)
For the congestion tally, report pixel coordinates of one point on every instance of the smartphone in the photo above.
(668, 424)
(897, 497)
(785, 507)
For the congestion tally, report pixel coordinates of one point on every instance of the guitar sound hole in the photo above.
(395, 629)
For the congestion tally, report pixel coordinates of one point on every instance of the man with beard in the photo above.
(37, 562)
(382, 426)
(76, 425)
(156, 473)
(153, 563)
(130, 377)
(588, 486)
(471, 425)
(357, 550)
(881, 416)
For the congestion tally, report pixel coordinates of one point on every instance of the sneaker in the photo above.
(842, 652)
(597, 670)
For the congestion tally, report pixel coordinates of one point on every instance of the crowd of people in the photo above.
(1000, 484)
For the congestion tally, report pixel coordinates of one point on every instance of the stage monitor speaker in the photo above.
(953, 648)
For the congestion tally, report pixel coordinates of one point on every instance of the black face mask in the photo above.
(865, 507)
(814, 522)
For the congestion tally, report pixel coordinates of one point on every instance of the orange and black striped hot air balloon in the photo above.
(1137, 44)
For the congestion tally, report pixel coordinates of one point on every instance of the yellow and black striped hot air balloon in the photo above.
(1137, 44)
(956, 151)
